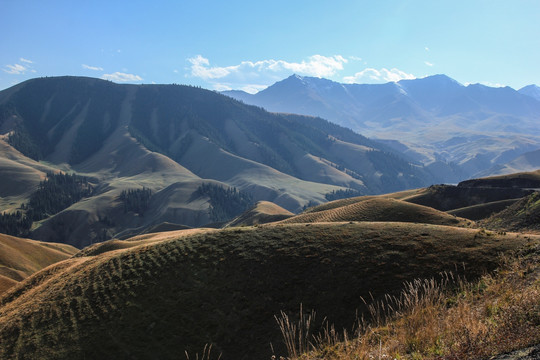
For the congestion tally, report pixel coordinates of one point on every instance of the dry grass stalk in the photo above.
(207, 350)
(446, 319)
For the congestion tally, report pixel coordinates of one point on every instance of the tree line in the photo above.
(136, 200)
(225, 203)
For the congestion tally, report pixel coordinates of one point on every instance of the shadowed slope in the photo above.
(224, 287)
(521, 180)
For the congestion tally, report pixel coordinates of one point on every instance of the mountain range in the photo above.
(152, 154)
(456, 130)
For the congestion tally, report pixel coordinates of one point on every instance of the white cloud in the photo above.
(426, 48)
(19, 69)
(253, 88)
(491, 84)
(428, 63)
(221, 87)
(95, 68)
(316, 65)
(121, 77)
(15, 69)
(373, 75)
(355, 58)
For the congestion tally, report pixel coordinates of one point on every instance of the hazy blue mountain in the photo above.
(531, 90)
(438, 119)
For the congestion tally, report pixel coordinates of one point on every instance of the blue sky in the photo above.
(250, 44)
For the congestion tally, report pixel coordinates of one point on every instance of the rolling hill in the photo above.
(177, 293)
(263, 212)
(523, 215)
(175, 141)
(380, 209)
(457, 131)
(20, 258)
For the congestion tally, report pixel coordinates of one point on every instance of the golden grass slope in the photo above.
(381, 209)
(263, 212)
(225, 286)
(20, 258)
(401, 195)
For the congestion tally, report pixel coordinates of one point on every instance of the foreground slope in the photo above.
(224, 287)
(20, 258)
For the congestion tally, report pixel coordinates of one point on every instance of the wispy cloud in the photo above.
(121, 77)
(426, 48)
(15, 69)
(428, 63)
(381, 75)
(19, 69)
(94, 68)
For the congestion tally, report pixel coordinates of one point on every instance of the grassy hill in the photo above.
(263, 212)
(178, 292)
(515, 180)
(523, 215)
(20, 258)
(380, 209)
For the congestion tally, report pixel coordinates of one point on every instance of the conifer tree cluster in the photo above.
(53, 195)
(225, 203)
(136, 200)
(57, 193)
(15, 224)
(21, 140)
(341, 194)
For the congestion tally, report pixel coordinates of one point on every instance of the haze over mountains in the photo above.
(172, 140)
(457, 131)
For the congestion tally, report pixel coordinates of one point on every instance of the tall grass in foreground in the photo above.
(205, 355)
(445, 319)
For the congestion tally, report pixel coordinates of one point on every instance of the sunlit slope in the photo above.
(224, 287)
(19, 258)
(381, 209)
(263, 212)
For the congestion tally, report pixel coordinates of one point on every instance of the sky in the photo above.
(249, 45)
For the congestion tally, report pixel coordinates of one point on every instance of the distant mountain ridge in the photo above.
(531, 90)
(172, 140)
(437, 119)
